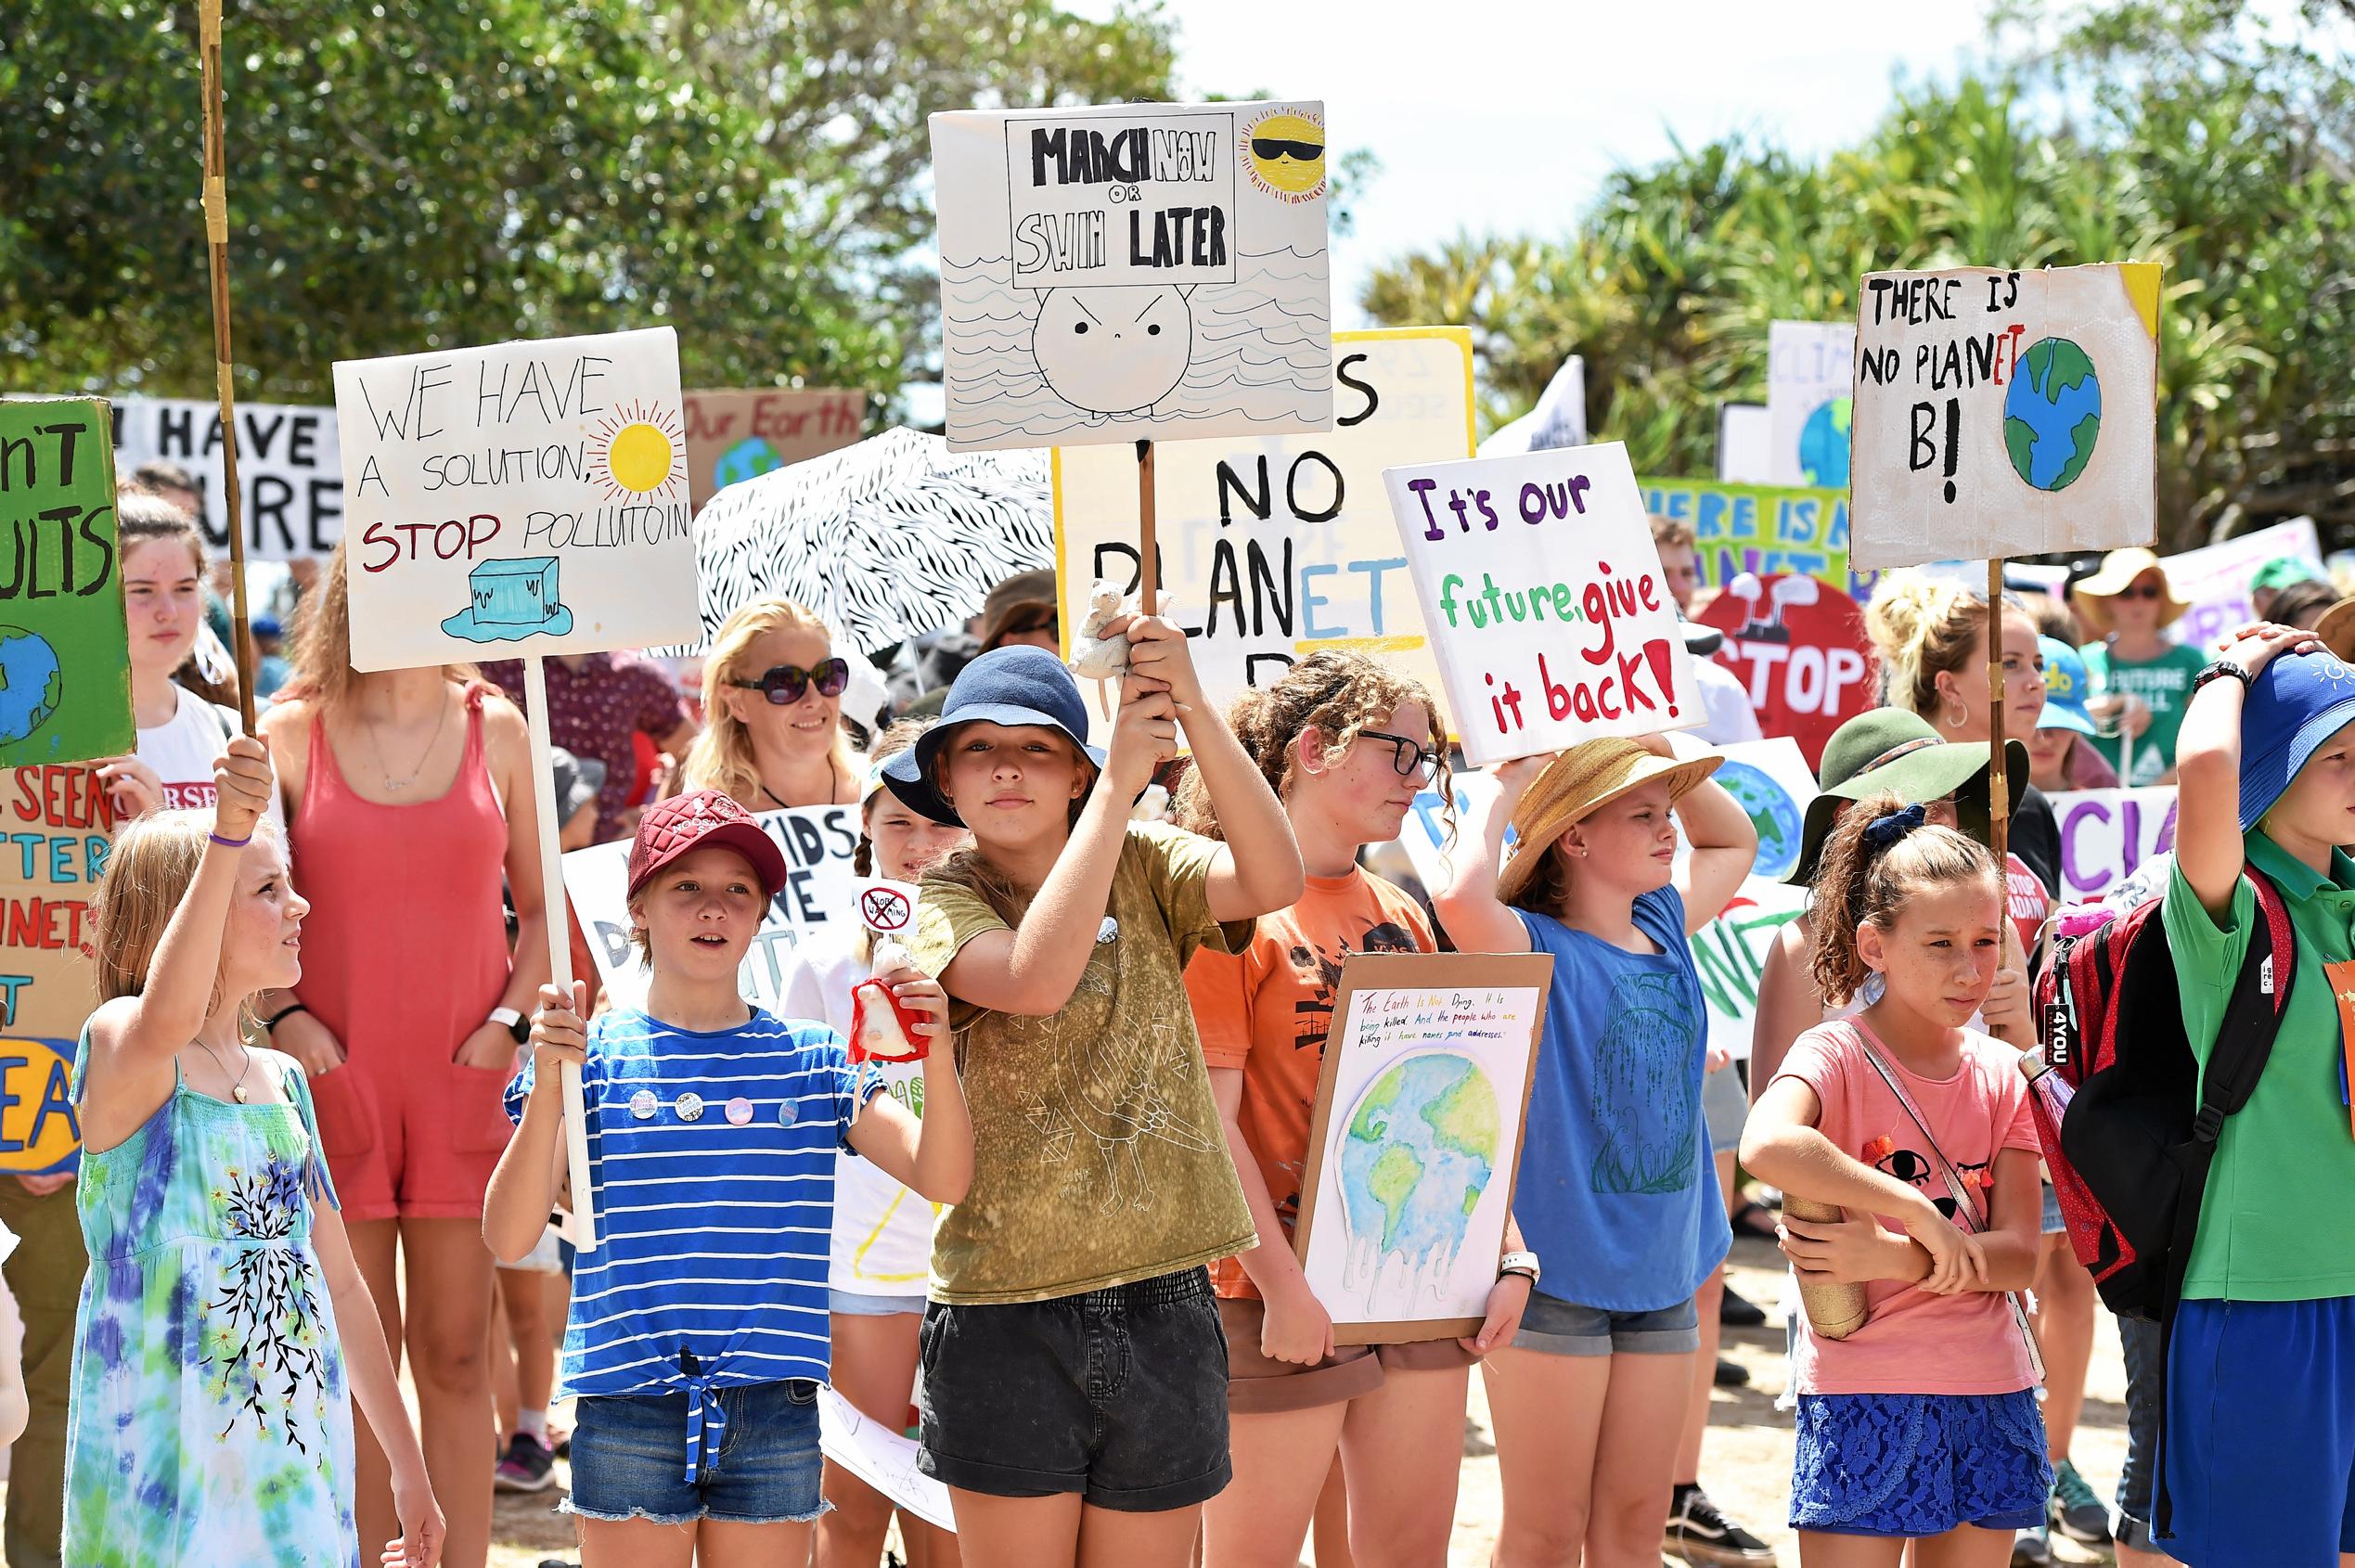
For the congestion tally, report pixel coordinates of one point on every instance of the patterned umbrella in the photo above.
(891, 537)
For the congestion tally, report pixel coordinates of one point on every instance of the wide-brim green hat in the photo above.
(1891, 750)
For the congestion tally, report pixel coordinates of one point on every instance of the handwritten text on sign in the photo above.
(58, 826)
(287, 465)
(65, 675)
(820, 894)
(1542, 593)
(527, 498)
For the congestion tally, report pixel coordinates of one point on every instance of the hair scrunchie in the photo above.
(1883, 831)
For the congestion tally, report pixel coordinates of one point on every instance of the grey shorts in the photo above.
(1564, 1327)
(1725, 1105)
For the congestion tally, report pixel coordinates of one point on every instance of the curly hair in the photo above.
(1860, 884)
(1925, 627)
(1341, 695)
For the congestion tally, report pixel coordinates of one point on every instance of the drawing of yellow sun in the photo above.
(1285, 154)
(644, 450)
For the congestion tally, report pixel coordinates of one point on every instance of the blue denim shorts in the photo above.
(1564, 1327)
(861, 1303)
(629, 1457)
(2137, 1479)
(1919, 1464)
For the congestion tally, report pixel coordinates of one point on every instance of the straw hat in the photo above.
(1587, 776)
(2119, 568)
(2337, 628)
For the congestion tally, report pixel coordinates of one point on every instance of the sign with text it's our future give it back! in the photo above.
(1542, 594)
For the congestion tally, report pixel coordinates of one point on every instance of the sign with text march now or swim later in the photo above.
(1541, 591)
(522, 500)
(1133, 272)
(2003, 413)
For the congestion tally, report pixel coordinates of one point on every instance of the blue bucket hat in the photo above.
(2067, 681)
(1015, 684)
(2296, 703)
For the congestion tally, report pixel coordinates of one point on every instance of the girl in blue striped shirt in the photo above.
(699, 1329)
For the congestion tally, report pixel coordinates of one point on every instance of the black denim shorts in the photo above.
(1117, 1394)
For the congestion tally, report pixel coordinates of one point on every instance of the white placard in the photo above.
(2004, 412)
(2106, 833)
(1133, 271)
(2215, 578)
(1274, 548)
(1745, 443)
(1559, 417)
(1542, 593)
(287, 465)
(883, 1459)
(821, 895)
(523, 499)
(1809, 368)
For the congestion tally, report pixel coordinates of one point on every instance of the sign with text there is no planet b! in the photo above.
(2003, 413)
(1542, 594)
(65, 669)
(523, 499)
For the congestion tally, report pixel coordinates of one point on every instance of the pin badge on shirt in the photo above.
(690, 1107)
(644, 1103)
(787, 1114)
(739, 1110)
(1108, 931)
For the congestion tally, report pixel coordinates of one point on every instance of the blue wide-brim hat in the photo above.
(1016, 684)
(2296, 703)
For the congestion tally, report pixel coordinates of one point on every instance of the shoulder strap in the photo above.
(2261, 991)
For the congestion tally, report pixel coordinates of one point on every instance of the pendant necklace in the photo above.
(237, 1090)
(392, 785)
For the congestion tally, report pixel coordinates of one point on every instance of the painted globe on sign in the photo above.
(1823, 444)
(1420, 1148)
(748, 458)
(31, 683)
(2052, 414)
(1771, 811)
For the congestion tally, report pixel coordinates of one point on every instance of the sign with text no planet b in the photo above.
(65, 668)
(522, 500)
(2003, 413)
(1542, 594)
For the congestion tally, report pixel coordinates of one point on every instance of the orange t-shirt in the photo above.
(1268, 1009)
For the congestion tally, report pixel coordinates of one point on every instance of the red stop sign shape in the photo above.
(1799, 646)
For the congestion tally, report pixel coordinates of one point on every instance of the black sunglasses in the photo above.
(785, 685)
(1412, 759)
(1273, 148)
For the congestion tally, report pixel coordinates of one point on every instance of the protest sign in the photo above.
(59, 820)
(881, 1455)
(2106, 833)
(1558, 419)
(287, 468)
(1763, 530)
(735, 435)
(1773, 782)
(1809, 364)
(820, 894)
(2004, 412)
(1274, 547)
(1745, 443)
(1415, 1140)
(1133, 272)
(65, 669)
(1542, 593)
(2215, 578)
(1802, 653)
(528, 498)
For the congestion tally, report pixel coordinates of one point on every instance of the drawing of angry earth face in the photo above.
(1113, 351)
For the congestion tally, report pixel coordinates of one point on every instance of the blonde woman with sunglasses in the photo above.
(773, 698)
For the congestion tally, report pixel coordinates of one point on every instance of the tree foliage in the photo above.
(2176, 131)
(415, 174)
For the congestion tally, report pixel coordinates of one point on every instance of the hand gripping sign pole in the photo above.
(216, 233)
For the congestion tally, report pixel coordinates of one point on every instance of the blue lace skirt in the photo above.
(1919, 1464)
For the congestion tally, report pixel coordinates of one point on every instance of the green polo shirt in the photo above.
(2279, 1219)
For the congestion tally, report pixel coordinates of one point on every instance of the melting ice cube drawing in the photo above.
(508, 600)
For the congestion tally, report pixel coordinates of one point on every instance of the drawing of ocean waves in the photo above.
(1262, 351)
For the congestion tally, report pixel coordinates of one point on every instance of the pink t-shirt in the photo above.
(1913, 1341)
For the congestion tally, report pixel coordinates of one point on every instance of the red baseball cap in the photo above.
(688, 822)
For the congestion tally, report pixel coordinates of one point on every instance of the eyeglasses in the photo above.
(1412, 759)
(1273, 148)
(785, 685)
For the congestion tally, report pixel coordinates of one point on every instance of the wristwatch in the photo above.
(512, 1021)
(2217, 671)
(1523, 1264)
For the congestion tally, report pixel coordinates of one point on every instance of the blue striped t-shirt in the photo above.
(713, 1159)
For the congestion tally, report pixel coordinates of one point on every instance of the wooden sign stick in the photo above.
(216, 251)
(580, 1228)
(1998, 790)
(1148, 547)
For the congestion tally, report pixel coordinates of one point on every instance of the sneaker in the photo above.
(1731, 1374)
(2074, 1510)
(1700, 1535)
(2032, 1548)
(529, 1467)
(1735, 1312)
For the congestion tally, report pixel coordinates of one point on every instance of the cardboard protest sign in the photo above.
(65, 659)
(1766, 530)
(1558, 419)
(60, 826)
(1416, 1139)
(733, 436)
(1773, 782)
(1802, 653)
(288, 465)
(1809, 369)
(1274, 547)
(1132, 272)
(1542, 593)
(527, 498)
(1745, 443)
(2215, 578)
(2004, 412)
(820, 894)
(2106, 833)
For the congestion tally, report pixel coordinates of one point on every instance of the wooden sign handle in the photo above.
(216, 251)
(1148, 547)
(1999, 789)
(580, 1229)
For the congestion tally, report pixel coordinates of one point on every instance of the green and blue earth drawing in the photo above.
(31, 684)
(748, 458)
(1420, 1148)
(2053, 414)
(1773, 812)
(1823, 444)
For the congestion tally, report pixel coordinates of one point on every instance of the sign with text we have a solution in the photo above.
(1542, 594)
(522, 500)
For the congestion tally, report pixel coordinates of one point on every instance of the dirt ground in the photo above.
(1745, 1464)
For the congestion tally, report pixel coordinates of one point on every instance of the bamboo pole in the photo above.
(1999, 791)
(216, 234)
